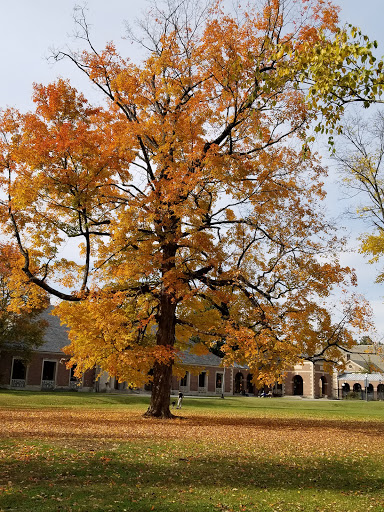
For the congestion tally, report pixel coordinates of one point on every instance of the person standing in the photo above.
(180, 400)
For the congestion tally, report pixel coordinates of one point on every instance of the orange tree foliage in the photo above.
(21, 302)
(193, 190)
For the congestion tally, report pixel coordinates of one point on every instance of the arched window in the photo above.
(357, 387)
(380, 392)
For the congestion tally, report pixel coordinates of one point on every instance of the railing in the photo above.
(18, 383)
(47, 384)
(359, 395)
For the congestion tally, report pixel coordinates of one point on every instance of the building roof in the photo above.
(369, 357)
(372, 377)
(209, 359)
(55, 336)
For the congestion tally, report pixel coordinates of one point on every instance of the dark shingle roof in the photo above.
(204, 360)
(55, 337)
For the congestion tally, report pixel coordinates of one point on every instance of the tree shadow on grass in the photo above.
(198, 471)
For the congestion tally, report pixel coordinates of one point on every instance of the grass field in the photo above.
(87, 452)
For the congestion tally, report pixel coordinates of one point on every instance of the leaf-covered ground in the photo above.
(83, 459)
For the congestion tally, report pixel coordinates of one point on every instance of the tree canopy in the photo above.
(192, 191)
(21, 327)
(365, 340)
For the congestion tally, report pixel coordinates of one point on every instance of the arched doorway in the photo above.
(323, 387)
(345, 389)
(380, 392)
(239, 386)
(297, 385)
(357, 387)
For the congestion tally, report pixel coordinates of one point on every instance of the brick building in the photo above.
(310, 381)
(364, 373)
(46, 369)
(204, 374)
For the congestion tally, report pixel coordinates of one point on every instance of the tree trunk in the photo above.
(166, 323)
(160, 398)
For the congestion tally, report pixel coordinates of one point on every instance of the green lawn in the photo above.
(95, 452)
(242, 406)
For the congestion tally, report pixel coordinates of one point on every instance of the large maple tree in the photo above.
(193, 191)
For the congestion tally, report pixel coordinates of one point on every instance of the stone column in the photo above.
(312, 381)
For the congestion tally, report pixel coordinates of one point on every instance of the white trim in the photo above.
(18, 383)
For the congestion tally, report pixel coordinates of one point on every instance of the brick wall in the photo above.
(35, 371)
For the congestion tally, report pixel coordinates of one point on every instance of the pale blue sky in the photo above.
(368, 15)
(28, 29)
